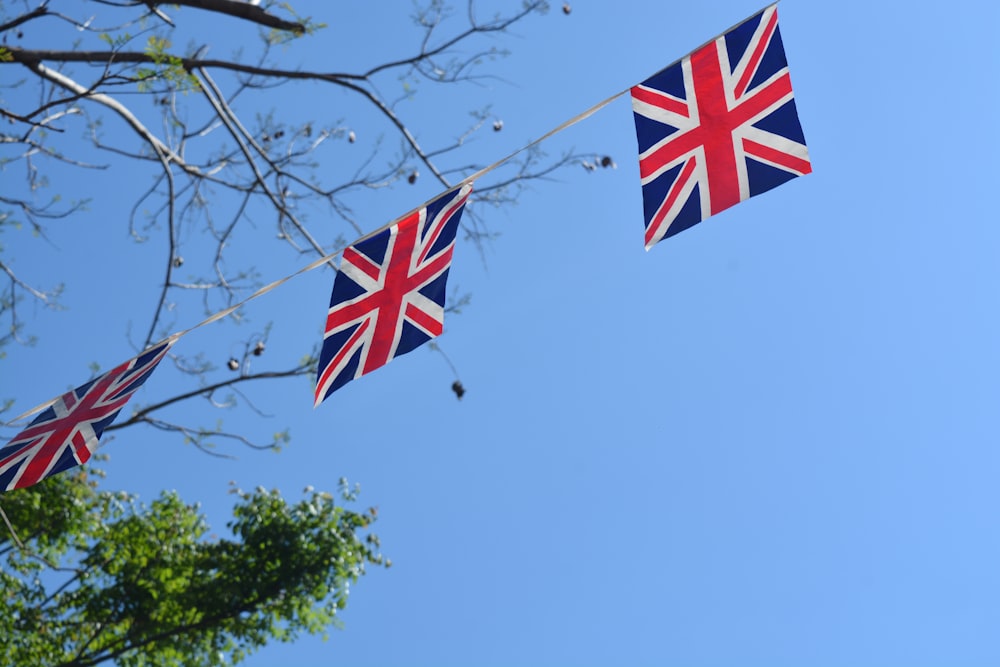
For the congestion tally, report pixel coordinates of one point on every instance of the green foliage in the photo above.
(169, 68)
(95, 576)
(310, 27)
(116, 42)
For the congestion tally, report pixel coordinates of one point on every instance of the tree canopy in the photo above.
(91, 576)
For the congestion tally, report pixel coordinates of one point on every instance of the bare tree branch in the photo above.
(28, 56)
(210, 170)
(35, 13)
(240, 9)
(143, 413)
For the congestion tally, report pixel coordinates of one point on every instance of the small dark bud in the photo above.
(589, 166)
(178, 262)
(412, 178)
(606, 161)
(279, 134)
(497, 125)
(233, 365)
(459, 390)
(266, 137)
(258, 349)
(351, 136)
(566, 8)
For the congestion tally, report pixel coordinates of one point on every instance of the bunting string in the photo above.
(328, 259)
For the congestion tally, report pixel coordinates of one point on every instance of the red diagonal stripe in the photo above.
(78, 409)
(346, 349)
(432, 325)
(786, 160)
(37, 464)
(22, 447)
(438, 226)
(657, 98)
(361, 262)
(761, 99)
(675, 190)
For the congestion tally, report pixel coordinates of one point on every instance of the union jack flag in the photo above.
(65, 434)
(388, 297)
(718, 127)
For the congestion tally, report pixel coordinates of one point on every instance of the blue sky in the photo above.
(771, 440)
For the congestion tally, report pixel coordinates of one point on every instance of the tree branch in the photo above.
(141, 414)
(38, 11)
(64, 81)
(218, 103)
(240, 9)
(27, 56)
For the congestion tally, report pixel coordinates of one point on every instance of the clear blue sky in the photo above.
(771, 440)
